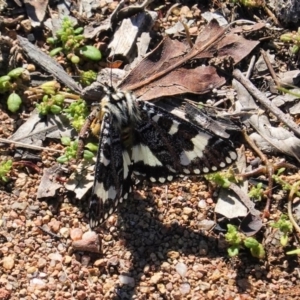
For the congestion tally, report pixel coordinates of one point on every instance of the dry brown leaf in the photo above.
(167, 71)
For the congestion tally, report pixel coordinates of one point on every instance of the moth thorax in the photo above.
(122, 108)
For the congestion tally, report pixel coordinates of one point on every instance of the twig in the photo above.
(251, 65)
(170, 10)
(254, 147)
(187, 32)
(268, 63)
(48, 232)
(237, 74)
(29, 146)
(271, 15)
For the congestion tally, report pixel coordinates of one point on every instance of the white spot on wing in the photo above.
(222, 165)
(99, 190)
(170, 177)
(155, 118)
(162, 179)
(205, 170)
(233, 155)
(174, 128)
(186, 171)
(152, 179)
(126, 163)
(228, 160)
(200, 141)
(144, 154)
(196, 171)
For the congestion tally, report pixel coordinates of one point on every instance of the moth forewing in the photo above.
(111, 171)
(139, 138)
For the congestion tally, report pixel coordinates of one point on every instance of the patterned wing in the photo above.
(165, 146)
(112, 174)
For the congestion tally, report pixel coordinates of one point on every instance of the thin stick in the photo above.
(251, 65)
(29, 146)
(48, 232)
(270, 67)
(237, 74)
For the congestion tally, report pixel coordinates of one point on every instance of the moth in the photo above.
(140, 139)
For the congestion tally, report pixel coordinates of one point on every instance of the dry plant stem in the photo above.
(195, 51)
(254, 147)
(170, 10)
(271, 15)
(268, 63)
(263, 170)
(237, 74)
(251, 65)
(29, 146)
(187, 32)
(294, 188)
(48, 232)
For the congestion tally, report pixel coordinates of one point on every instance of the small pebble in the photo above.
(157, 277)
(76, 234)
(181, 269)
(37, 283)
(41, 263)
(126, 280)
(185, 288)
(55, 256)
(8, 262)
(202, 204)
(65, 232)
(187, 211)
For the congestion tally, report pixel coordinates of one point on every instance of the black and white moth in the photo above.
(140, 139)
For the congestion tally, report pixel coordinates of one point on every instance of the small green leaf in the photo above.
(88, 154)
(51, 40)
(15, 73)
(14, 102)
(258, 252)
(55, 51)
(92, 147)
(55, 109)
(251, 242)
(233, 251)
(78, 30)
(284, 240)
(295, 49)
(91, 52)
(62, 159)
(58, 99)
(66, 141)
(296, 251)
(4, 78)
(5, 168)
(287, 37)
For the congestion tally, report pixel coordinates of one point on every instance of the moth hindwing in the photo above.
(140, 139)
